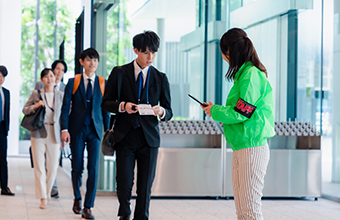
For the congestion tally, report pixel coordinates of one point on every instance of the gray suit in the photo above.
(40, 85)
(29, 109)
(62, 87)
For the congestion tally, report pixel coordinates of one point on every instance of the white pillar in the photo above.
(10, 52)
(161, 55)
(87, 23)
(335, 99)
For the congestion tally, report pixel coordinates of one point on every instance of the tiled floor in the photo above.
(24, 205)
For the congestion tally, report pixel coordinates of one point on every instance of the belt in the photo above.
(49, 124)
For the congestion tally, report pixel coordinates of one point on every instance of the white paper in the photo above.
(145, 109)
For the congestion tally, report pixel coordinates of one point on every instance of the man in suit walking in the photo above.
(137, 136)
(4, 127)
(81, 122)
(59, 68)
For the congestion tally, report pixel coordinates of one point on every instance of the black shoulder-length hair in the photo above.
(239, 49)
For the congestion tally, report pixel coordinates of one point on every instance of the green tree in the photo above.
(65, 31)
(117, 36)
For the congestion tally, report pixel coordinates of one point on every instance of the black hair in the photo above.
(3, 70)
(147, 39)
(55, 63)
(239, 49)
(90, 52)
(45, 71)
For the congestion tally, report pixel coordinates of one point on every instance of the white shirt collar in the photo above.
(138, 69)
(93, 77)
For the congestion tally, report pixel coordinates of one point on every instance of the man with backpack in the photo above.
(82, 121)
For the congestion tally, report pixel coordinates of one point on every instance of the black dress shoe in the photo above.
(87, 214)
(76, 206)
(7, 192)
(54, 193)
(124, 218)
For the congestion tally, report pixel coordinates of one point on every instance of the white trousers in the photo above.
(249, 167)
(45, 168)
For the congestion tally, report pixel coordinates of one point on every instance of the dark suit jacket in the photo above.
(73, 116)
(159, 94)
(6, 109)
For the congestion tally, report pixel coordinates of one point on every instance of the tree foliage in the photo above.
(65, 29)
(117, 36)
(46, 39)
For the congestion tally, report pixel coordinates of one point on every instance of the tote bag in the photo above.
(34, 121)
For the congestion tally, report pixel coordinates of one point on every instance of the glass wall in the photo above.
(298, 56)
(180, 52)
(288, 46)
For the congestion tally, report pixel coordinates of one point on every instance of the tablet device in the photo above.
(204, 105)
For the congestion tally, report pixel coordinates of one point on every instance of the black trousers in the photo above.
(3, 156)
(134, 148)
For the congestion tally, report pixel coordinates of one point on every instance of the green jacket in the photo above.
(248, 117)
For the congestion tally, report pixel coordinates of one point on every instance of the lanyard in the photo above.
(147, 87)
(47, 102)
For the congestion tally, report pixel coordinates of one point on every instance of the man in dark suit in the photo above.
(137, 136)
(59, 68)
(4, 127)
(83, 121)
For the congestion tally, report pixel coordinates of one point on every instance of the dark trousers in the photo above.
(135, 148)
(3, 156)
(88, 135)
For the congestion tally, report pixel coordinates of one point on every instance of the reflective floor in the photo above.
(24, 205)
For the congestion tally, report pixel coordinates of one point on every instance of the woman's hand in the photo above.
(207, 108)
(38, 104)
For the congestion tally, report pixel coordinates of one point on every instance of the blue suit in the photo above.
(72, 118)
(4, 127)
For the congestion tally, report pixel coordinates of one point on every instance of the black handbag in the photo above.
(108, 142)
(34, 121)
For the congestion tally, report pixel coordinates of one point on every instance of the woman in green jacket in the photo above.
(248, 121)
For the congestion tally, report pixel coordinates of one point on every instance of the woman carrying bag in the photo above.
(46, 140)
(248, 121)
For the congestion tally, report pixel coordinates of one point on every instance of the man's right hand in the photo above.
(65, 136)
(131, 108)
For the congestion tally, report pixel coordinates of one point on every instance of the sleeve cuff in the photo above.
(163, 116)
(121, 107)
